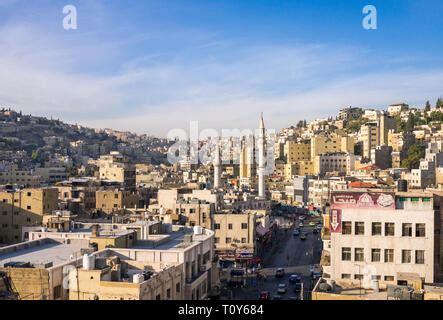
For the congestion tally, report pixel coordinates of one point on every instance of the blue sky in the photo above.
(151, 66)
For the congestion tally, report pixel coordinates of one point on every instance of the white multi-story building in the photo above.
(377, 236)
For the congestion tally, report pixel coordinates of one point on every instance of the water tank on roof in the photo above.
(198, 230)
(138, 278)
(88, 262)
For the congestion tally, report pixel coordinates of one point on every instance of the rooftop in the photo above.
(41, 252)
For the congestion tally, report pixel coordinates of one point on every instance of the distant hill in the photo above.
(43, 138)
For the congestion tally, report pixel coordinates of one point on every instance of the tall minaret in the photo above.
(261, 158)
(217, 165)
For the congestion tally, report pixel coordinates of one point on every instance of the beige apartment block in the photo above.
(295, 151)
(24, 207)
(111, 278)
(235, 231)
(108, 201)
(330, 143)
(115, 167)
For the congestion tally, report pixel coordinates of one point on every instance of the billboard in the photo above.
(335, 220)
(379, 200)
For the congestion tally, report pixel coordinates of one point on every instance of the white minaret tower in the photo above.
(261, 158)
(217, 166)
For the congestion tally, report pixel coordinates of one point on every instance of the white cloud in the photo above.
(220, 84)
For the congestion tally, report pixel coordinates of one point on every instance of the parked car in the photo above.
(301, 218)
(265, 295)
(277, 297)
(294, 298)
(300, 225)
(315, 231)
(303, 236)
(280, 273)
(281, 288)
(312, 224)
(294, 278)
(319, 227)
(296, 233)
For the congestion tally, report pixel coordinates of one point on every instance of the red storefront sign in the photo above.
(335, 220)
(341, 200)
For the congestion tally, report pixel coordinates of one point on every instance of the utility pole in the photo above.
(301, 290)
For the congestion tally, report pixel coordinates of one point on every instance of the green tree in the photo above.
(410, 123)
(427, 106)
(415, 153)
(439, 103)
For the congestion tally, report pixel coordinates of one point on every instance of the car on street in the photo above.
(315, 231)
(312, 224)
(265, 295)
(277, 297)
(303, 236)
(300, 225)
(301, 218)
(319, 227)
(280, 273)
(296, 233)
(294, 278)
(293, 298)
(281, 288)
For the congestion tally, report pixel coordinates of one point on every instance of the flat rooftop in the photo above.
(42, 252)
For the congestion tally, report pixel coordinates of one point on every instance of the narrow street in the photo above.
(292, 254)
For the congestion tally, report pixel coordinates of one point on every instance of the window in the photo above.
(375, 255)
(359, 254)
(419, 256)
(345, 276)
(228, 240)
(230, 226)
(346, 227)
(29, 194)
(406, 230)
(28, 207)
(359, 228)
(57, 292)
(116, 196)
(243, 240)
(216, 226)
(389, 229)
(244, 226)
(389, 278)
(420, 230)
(28, 219)
(389, 255)
(157, 297)
(168, 293)
(216, 240)
(346, 254)
(376, 228)
(358, 277)
(406, 256)
(177, 287)
(192, 210)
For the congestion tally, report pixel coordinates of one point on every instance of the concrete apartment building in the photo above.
(369, 135)
(109, 201)
(25, 207)
(174, 265)
(375, 236)
(193, 212)
(13, 175)
(235, 232)
(339, 162)
(331, 143)
(381, 156)
(115, 167)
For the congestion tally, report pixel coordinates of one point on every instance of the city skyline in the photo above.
(150, 67)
